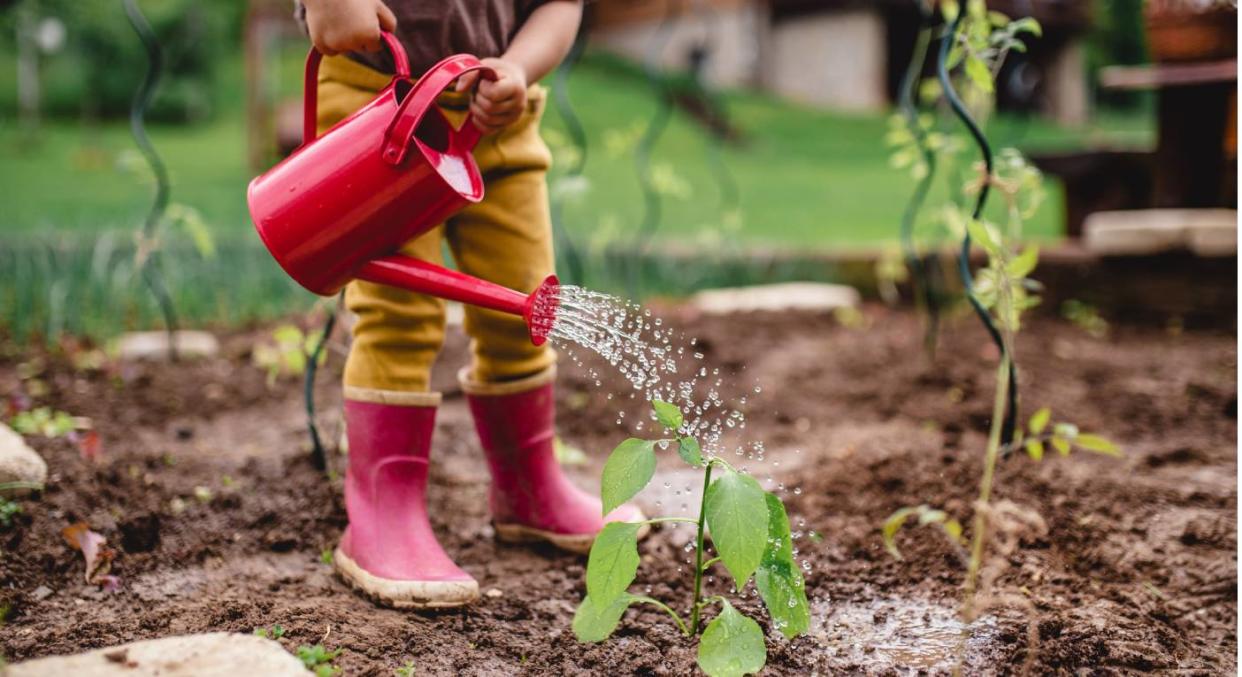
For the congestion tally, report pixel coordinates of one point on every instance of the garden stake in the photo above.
(922, 273)
(963, 262)
(148, 250)
(319, 457)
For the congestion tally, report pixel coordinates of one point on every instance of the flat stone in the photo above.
(1206, 232)
(216, 654)
(153, 345)
(18, 462)
(775, 297)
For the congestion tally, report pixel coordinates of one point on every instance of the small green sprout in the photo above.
(274, 632)
(406, 670)
(326, 556)
(750, 536)
(318, 660)
(8, 510)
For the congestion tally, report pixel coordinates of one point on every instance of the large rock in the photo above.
(1205, 232)
(153, 345)
(217, 654)
(18, 462)
(788, 296)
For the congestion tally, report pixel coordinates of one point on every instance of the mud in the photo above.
(206, 490)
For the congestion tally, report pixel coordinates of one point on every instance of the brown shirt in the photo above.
(433, 29)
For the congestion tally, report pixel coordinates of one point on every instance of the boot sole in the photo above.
(579, 544)
(404, 594)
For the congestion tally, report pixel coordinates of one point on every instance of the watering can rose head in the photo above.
(341, 207)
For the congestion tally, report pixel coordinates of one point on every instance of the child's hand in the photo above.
(338, 26)
(497, 103)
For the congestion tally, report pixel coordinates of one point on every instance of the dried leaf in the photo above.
(95, 551)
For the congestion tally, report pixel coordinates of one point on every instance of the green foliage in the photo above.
(1086, 317)
(628, 469)
(737, 515)
(286, 354)
(318, 660)
(274, 632)
(8, 510)
(749, 532)
(1063, 437)
(43, 421)
(778, 579)
(732, 645)
(926, 515)
(406, 670)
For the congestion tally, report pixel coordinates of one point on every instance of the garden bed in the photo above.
(206, 490)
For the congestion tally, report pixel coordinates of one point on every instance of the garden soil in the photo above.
(220, 521)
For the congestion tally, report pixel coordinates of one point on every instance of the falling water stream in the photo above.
(662, 363)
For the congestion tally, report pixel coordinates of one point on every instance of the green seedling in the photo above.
(750, 537)
(274, 632)
(1086, 317)
(8, 510)
(1001, 292)
(318, 660)
(44, 421)
(286, 354)
(406, 670)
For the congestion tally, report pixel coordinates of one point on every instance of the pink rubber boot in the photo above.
(388, 551)
(531, 498)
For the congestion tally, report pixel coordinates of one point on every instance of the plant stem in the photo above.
(979, 536)
(655, 520)
(710, 562)
(698, 553)
(681, 625)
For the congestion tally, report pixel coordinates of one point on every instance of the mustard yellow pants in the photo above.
(506, 239)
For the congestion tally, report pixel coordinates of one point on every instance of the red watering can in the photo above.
(339, 207)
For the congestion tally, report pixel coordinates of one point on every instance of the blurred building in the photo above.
(839, 54)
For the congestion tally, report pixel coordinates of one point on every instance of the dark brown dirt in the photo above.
(206, 490)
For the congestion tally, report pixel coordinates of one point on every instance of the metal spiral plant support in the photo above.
(730, 195)
(319, 456)
(577, 134)
(985, 150)
(922, 276)
(642, 154)
(149, 261)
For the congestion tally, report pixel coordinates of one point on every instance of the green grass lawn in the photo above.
(75, 194)
(806, 177)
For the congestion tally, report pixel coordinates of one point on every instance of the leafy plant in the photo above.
(318, 660)
(44, 421)
(287, 354)
(1000, 292)
(750, 535)
(406, 670)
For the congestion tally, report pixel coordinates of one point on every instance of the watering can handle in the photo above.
(423, 96)
(310, 86)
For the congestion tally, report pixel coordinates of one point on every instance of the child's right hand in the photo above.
(338, 26)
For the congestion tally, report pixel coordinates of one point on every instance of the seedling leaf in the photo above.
(595, 622)
(778, 580)
(1097, 444)
(1035, 449)
(1062, 445)
(667, 414)
(1039, 420)
(689, 451)
(732, 645)
(979, 74)
(627, 471)
(613, 562)
(737, 515)
(1024, 264)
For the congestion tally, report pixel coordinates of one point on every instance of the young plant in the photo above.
(750, 536)
(318, 660)
(1000, 293)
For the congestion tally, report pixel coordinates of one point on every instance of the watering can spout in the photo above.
(538, 309)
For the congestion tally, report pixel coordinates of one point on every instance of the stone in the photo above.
(153, 345)
(18, 462)
(216, 654)
(1204, 232)
(788, 296)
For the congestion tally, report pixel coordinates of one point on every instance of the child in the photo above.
(388, 551)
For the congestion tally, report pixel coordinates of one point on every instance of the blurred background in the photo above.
(713, 142)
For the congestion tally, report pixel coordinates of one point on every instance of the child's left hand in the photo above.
(497, 103)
